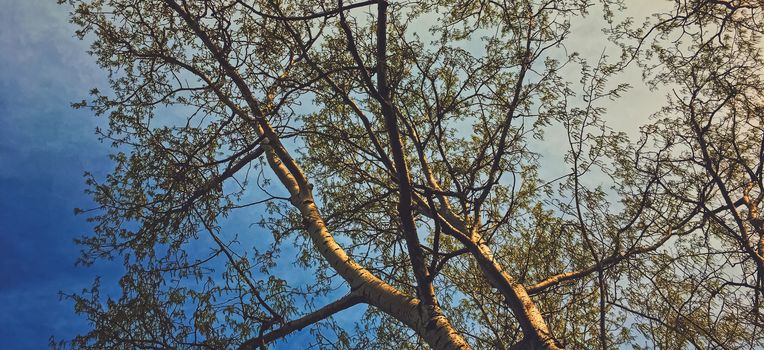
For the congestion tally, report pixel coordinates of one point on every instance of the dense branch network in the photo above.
(393, 151)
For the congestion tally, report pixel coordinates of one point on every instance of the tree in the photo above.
(390, 150)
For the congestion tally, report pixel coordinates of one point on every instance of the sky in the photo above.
(45, 147)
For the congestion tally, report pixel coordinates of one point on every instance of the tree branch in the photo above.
(343, 303)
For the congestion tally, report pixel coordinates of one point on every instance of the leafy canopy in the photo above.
(456, 166)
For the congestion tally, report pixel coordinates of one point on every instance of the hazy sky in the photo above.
(45, 146)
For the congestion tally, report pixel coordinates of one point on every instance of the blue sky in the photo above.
(44, 148)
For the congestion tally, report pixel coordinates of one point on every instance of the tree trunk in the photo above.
(436, 331)
(536, 333)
